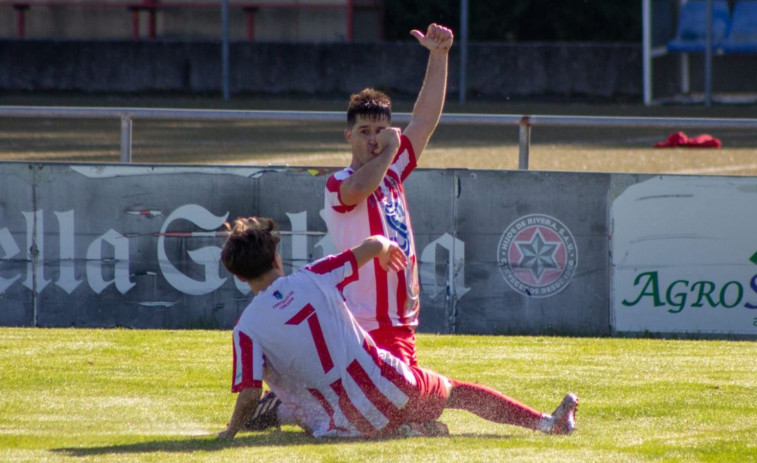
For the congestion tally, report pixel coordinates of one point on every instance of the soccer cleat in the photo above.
(407, 430)
(265, 415)
(434, 429)
(426, 429)
(565, 415)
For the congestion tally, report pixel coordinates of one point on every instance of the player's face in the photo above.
(362, 138)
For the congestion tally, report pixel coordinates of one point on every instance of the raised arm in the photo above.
(389, 254)
(430, 102)
(367, 177)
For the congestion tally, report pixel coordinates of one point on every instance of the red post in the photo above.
(350, 20)
(21, 18)
(151, 24)
(380, 21)
(152, 8)
(250, 23)
(134, 22)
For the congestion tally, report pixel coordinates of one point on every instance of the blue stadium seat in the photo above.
(742, 37)
(691, 33)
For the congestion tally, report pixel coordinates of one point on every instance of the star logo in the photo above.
(537, 255)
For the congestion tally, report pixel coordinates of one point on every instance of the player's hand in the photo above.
(437, 37)
(388, 140)
(392, 257)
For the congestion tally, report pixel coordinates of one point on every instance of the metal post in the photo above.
(21, 19)
(463, 48)
(135, 23)
(525, 143)
(225, 48)
(350, 24)
(126, 139)
(646, 50)
(708, 58)
(250, 23)
(151, 24)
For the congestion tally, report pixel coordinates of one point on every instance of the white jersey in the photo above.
(299, 337)
(378, 299)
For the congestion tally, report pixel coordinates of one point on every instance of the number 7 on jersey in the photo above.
(308, 313)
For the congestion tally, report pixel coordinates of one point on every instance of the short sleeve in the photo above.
(333, 193)
(405, 161)
(248, 362)
(341, 269)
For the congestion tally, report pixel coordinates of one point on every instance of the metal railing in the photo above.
(524, 122)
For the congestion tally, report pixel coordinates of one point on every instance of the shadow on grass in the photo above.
(207, 443)
(210, 443)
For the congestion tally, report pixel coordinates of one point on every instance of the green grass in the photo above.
(124, 395)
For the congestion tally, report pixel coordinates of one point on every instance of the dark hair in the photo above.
(370, 103)
(250, 249)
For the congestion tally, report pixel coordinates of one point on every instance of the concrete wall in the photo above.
(116, 245)
(500, 252)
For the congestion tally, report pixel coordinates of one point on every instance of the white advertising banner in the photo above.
(684, 256)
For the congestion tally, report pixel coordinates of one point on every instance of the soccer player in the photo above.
(299, 337)
(368, 198)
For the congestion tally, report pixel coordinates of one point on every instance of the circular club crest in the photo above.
(537, 255)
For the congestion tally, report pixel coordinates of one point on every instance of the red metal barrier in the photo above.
(152, 7)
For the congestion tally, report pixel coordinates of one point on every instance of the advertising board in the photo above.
(684, 256)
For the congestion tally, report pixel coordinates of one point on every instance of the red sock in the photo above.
(492, 405)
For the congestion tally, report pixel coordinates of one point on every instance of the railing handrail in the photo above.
(451, 118)
(525, 122)
(165, 113)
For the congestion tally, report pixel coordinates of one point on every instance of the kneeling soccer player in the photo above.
(298, 336)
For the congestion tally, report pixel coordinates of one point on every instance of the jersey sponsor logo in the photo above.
(284, 301)
(396, 220)
(537, 255)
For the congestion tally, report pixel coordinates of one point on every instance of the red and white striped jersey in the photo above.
(299, 337)
(378, 299)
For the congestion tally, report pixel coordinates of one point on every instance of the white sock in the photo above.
(546, 423)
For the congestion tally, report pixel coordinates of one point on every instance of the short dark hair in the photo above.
(370, 103)
(250, 249)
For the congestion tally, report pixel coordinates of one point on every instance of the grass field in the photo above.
(322, 144)
(120, 395)
(131, 396)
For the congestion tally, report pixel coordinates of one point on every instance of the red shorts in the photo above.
(400, 342)
(428, 405)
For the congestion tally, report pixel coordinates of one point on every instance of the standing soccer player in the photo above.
(368, 198)
(298, 336)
